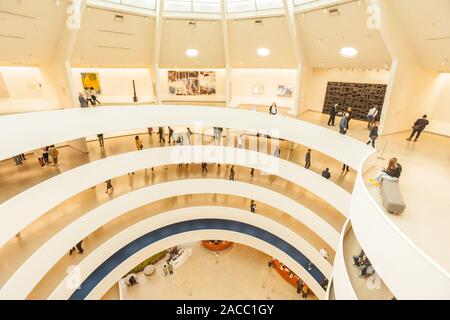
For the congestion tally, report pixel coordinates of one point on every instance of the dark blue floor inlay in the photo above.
(192, 225)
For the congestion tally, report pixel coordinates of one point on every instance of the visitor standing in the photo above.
(101, 140)
(343, 124)
(418, 127)
(82, 100)
(170, 268)
(232, 173)
(371, 116)
(308, 159)
(87, 93)
(53, 153)
(94, 96)
(138, 142)
(109, 186)
(273, 109)
(373, 135)
(45, 154)
(349, 113)
(161, 135)
(204, 167)
(171, 137)
(253, 206)
(332, 117)
(189, 134)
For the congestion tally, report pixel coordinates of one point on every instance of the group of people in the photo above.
(372, 123)
(88, 96)
(362, 262)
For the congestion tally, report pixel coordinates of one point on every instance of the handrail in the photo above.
(34, 130)
(37, 265)
(94, 260)
(343, 288)
(21, 210)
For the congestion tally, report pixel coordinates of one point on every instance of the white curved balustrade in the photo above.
(343, 288)
(21, 210)
(97, 257)
(20, 284)
(396, 259)
(37, 129)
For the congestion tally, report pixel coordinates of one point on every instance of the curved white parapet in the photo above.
(37, 129)
(343, 288)
(396, 259)
(21, 210)
(21, 283)
(107, 249)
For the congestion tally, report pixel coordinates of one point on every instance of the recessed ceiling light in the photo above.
(263, 52)
(191, 53)
(349, 52)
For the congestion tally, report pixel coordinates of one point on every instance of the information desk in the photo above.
(285, 272)
(216, 245)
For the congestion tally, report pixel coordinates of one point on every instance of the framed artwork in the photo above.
(3, 89)
(258, 89)
(191, 83)
(284, 91)
(91, 80)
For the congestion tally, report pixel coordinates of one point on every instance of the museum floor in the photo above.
(206, 275)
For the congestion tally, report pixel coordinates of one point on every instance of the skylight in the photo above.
(143, 4)
(235, 6)
(192, 6)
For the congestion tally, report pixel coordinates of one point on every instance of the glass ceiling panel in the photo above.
(144, 4)
(194, 6)
(236, 6)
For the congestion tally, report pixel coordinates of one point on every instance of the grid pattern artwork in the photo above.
(359, 96)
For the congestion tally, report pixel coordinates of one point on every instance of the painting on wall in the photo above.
(3, 89)
(284, 91)
(91, 80)
(192, 83)
(359, 96)
(258, 89)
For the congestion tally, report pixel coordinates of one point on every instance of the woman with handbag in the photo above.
(373, 135)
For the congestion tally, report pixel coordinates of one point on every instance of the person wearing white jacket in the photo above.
(371, 116)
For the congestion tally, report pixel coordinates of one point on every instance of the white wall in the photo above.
(28, 90)
(242, 81)
(440, 117)
(317, 88)
(220, 86)
(116, 84)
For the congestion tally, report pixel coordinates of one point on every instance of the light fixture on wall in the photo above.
(349, 52)
(263, 52)
(191, 53)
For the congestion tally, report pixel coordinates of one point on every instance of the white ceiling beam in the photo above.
(154, 68)
(303, 69)
(226, 47)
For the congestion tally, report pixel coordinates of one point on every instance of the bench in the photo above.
(392, 197)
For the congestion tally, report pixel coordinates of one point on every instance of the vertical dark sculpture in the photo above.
(135, 98)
